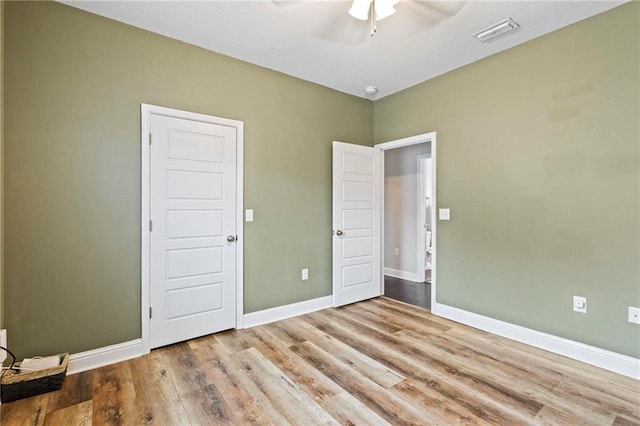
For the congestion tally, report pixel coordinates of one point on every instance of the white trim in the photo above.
(602, 358)
(434, 222)
(381, 226)
(145, 114)
(107, 355)
(399, 143)
(421, 247)
(403, 275)
(411, 140)
(278, 313)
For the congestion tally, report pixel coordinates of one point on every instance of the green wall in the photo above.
(73, 87)
(537, 157)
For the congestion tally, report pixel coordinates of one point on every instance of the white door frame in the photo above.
(421, 258)
(145, 178)
(399, 143)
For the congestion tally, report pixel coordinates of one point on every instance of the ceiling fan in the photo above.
(373, 10)
(342, 20)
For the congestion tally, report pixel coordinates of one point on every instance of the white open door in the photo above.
(193, 230)
(356, 223)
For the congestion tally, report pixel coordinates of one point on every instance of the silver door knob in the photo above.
(339, 232)
(231, 238)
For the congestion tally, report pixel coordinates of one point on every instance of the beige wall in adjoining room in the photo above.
(401, 208)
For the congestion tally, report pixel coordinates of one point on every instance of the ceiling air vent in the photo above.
(496, 30)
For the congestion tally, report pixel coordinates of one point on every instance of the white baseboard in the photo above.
(286, 311)
(107, 355)
(602, 358)
(403, 275)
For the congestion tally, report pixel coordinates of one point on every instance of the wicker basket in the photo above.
(16, 385)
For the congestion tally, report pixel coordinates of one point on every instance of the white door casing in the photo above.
(194, 273)
(414, 140)
(356, 223)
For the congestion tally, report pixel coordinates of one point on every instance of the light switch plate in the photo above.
(248, 215)
(444, 214)
(305, 274)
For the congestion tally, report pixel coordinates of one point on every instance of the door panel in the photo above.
(356, 223)
(193, 209)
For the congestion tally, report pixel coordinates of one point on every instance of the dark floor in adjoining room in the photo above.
(417, 294)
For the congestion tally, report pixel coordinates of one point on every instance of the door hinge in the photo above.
(150, 312)
(150, 226)
(150, 139)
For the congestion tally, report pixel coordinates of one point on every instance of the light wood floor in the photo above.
(375, 362)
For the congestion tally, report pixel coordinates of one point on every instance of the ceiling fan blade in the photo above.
(439, 9)
(417, 16)
(285, 3)
(347, 30)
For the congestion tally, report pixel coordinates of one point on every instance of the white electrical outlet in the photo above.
(3, 343)
(248, 215)
(580, 304)
(305, 274)
(634, 314)
(397, 251)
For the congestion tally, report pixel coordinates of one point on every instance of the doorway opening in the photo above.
(409, 220)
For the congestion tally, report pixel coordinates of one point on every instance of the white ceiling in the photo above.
(318, 41)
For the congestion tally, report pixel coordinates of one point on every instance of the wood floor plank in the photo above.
(183, 368)
(437, 400)
(568, 366)
(587, 376)
(463, 358)
(284, 394)
(402, 308)
(114, 396)
(308, 378)
(232, 340)
(347, 410)
(76, 388)
(202, 400)
(25, 412)
(496, 373)
(385, 403)
(623, 421)
(282, 334)
(156, 395)
(475, 346)
(550, 416)
(404, 317)
(374, 315)
(590, 396)
(356, 311)
(361, 363)
(247, 401)
(77, 415)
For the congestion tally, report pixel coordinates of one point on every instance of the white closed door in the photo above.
(193, 229)
(356, 223)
